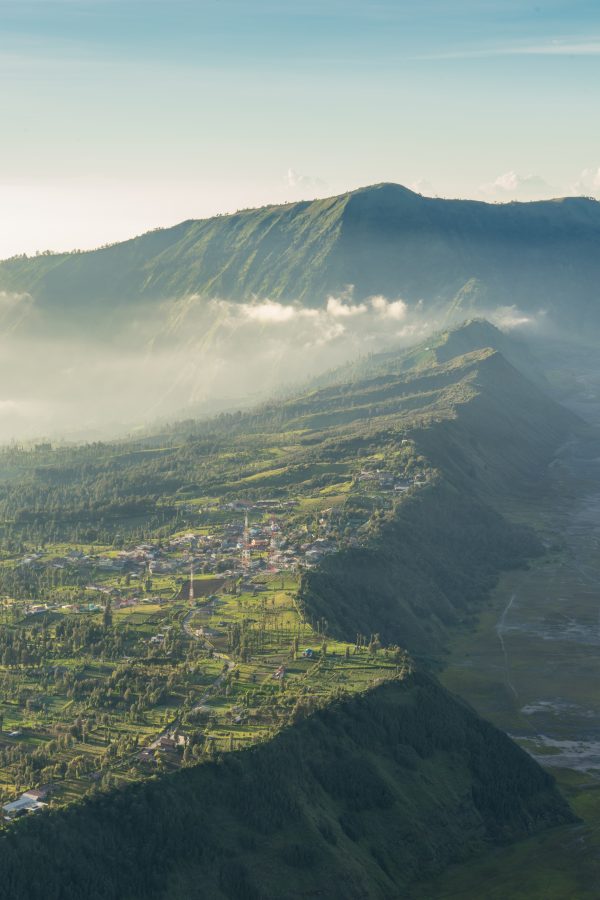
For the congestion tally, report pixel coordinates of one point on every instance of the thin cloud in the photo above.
(511, 184)
(297, 181)
(423, 186)
(508, 318)
(588, 182)
(572, 47)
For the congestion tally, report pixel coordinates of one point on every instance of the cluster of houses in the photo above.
(234, 548)
(30, 801)
(168, 745)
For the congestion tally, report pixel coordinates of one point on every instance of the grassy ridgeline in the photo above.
(361, 798)
(356, 801)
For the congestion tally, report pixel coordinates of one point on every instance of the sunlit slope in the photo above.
(420, 563)
(459, 257)
(275, 251)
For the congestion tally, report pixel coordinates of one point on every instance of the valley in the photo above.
(532, 667)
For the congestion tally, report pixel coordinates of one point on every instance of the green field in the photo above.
(81, 717)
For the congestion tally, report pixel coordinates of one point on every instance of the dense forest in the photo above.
(356, 801)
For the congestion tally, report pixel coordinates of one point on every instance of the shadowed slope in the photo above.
(355, 802)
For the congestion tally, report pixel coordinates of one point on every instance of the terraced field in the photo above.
(168, 684)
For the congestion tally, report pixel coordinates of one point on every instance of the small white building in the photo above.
(25, 804)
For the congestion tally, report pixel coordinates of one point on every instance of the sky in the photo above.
(118, 116)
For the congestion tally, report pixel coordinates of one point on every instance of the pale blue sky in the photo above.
(121, 115)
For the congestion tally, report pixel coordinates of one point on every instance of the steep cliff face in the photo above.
(426, 570)
(503, 439)
(357, 801)
(429, 566)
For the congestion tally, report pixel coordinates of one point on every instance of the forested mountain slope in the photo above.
(475, 417)
(411, 565)
(458, 257)
(426, 569)
(364, 797)
(357, 801)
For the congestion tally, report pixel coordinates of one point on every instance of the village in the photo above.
(228, 669)
(166, 652)
(233, 539)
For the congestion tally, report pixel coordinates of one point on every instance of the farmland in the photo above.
(98, 698)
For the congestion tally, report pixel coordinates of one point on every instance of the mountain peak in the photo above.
(448, 258)
(385, 188)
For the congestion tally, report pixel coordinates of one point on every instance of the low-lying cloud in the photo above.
(509, 318)
(195, 357)
(188, 357)
(512, 185)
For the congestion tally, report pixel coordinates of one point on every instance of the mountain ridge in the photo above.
(457, 257)
(358, 801)
(362, 798)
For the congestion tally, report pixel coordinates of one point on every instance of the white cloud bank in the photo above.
(588, 183)
(213, 355)
(308, 183)
(512, 185)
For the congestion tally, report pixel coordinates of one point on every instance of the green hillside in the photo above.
(244, 586)
(411, 563)
(459, 257)
(357, 801)
(428, 565)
